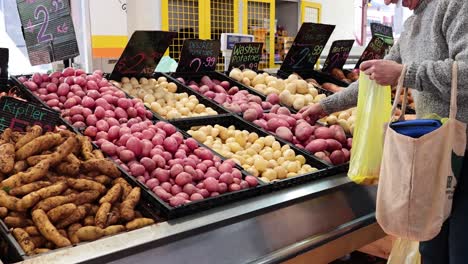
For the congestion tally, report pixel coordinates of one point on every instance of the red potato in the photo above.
(324, 133)
(284, 133)
(333, 144)
(222, 187)
(166, 186)
(323, 156)
(196, 197)
(212, 173)
(303, 131)
(339, 133)
(317, 145)
(274, 123)
(337, 157)
(273, 99)
(162, 175)
(347, 154)
(261, 123)
(189, 188)
(226, 178)
(250, 115)
(183, 178)
(176, 201)
(211, 184)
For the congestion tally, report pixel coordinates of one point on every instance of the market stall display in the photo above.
(195, 151)
(152, 152)
(57, 191)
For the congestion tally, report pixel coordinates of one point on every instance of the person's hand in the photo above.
(312, 113)
(384, 72)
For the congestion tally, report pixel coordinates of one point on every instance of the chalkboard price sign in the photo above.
(382, 31)
(18, 115)
(246, 56)
(142, 54)
(199, 55)
(307, 47)
(338, 54)
(4, 55)
(48, 30)
(374, 51)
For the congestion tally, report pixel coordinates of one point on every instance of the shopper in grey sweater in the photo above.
(433, 38)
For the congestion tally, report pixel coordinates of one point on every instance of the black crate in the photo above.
(324, 169)
(33, 98)
(320, 77)
(164, 208)
(184, 89)
(218, 76)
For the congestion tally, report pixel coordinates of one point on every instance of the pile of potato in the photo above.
(162, 97)
(293, 92)
(345, 119)
(55, 191)
(350, 77)
(260, 156)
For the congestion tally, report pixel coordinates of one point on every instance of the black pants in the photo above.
(450, 246)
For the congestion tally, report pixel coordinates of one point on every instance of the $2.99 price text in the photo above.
(196, 63)
(306, 55)
(137, 64)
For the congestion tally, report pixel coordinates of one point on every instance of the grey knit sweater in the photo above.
(435, 36)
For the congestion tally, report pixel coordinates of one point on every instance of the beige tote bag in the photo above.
(417, 175)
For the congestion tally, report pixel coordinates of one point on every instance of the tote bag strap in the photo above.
(397, 95)
(454, 92)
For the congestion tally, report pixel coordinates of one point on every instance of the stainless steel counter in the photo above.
(267, 229)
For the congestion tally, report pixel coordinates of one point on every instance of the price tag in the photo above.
(199, 55)
(142, 54)
(18, 115)
(338, 55)
(307, 47)
(4, 56)
(374, 51)
(246, 56)
(382, 31)
(48, 30)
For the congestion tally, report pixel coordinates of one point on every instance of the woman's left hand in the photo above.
(384, 72)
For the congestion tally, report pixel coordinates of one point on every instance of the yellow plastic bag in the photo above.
(405, 252)
(373, 112)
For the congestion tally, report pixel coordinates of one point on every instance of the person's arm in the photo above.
(435, 76)
(347, 98)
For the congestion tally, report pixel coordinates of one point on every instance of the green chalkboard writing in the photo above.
(246, 55)
(382, 31)
(18, 115)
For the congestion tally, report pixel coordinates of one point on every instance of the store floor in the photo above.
(360, 258)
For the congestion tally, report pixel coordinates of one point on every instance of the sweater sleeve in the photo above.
(436, 76)
(347, 98)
